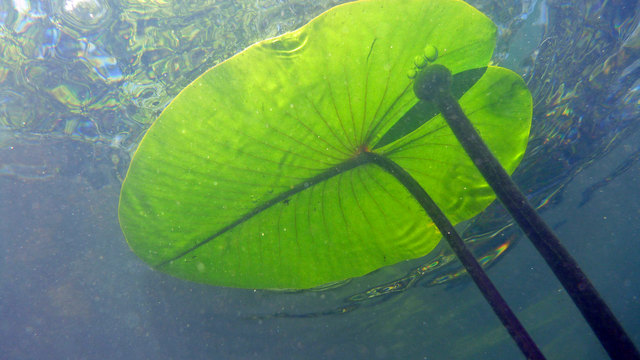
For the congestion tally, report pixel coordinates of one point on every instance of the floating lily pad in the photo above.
(252, 177)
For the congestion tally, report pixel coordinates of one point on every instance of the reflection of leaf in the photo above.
(252, 176)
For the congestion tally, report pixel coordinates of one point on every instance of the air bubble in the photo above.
(430, 53)
(420, 62)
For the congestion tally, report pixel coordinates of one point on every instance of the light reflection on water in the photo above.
(119, 63)
(96, 73)
(100, 72)
(111, 67)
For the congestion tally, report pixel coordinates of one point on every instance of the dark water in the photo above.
(71, 289)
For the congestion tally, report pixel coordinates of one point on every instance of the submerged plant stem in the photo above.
(488, 290)
(597, 313)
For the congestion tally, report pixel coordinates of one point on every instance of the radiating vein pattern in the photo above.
(344, 229)
(251, 177)
(434, 157)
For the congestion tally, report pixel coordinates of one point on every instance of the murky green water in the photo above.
(81, 81)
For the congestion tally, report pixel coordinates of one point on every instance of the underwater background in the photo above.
(81, 81)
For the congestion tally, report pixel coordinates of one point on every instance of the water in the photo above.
(80, 81)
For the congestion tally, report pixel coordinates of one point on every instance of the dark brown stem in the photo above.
(488, 290)
(431, 85)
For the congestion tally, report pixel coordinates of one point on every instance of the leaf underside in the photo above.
(252, 178)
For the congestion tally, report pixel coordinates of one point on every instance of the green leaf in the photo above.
(252, 177)
(423, 111)
(500, 107)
